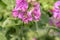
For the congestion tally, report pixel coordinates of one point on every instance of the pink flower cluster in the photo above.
(56, 14)
(21, 11)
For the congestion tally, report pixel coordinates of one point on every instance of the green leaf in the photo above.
(2, 37)
(10, 3)
(44, 17)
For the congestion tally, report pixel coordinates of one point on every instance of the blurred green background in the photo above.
(13, 29)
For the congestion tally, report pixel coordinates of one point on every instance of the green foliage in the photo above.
(2, 36)
(14, 29)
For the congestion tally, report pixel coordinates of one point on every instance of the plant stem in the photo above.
(37, 28)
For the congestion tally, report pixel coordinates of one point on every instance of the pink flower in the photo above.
(21, 11)
(54, 22)
(56, 14)
(36, 12)
(27, 17)
(57, 5)
(21, 5)
(58, 24)
(56, 10)
(24, 16)
(15, 13)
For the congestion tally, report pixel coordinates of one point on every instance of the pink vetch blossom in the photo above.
(36, 12)
(54, 22)
(15, 13)
(21, 5)
(27, 17)
(57, 4)
(24, 16)
(58, 24)
(56, 15)
(56, 12)
(21, 11)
